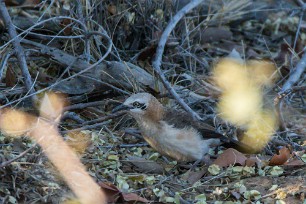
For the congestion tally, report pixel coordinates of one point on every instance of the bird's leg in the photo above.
(166, 159)
(206, 159)
(195, 164)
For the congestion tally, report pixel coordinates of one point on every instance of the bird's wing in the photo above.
(180, 119)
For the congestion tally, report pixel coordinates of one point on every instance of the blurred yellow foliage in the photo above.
(46, 134)
(241, 102)
(78, 141)
(259, 130)
(262, 72)
(240, 106)
(16, 123)
(51, 105)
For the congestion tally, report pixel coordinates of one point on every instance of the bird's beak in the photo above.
(121, 107)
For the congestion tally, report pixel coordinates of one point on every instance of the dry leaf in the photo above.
(281, 158)
(295, 162)
(252, 161)
(146, 166)
(230, 157)
(193, 177)
(66, 26)
(10, 77)
(111, 191)
(214, 34)
(112, 9)
(133, 197)
(114, 195)
(147, 53)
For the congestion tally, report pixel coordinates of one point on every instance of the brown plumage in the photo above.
(170, 132)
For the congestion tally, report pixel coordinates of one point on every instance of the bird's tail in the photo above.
(232, 143)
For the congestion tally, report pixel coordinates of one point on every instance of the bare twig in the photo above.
(295, 76)
(100, 28)
(160, 49)
(91, 66)
(72, 116)
(79, 9)
(6, 163)
(83, 105)
(107, 84)
(301, 4)
(12, 91)
(108, 117)
(278, 101)
(278, 107)
(126, 145)
(18, 49)
(297, 33)
(46, 10)
(3, 63)
(28, 30)
(96, 122)
(86, 127)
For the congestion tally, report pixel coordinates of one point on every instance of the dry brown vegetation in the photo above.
(96, 53)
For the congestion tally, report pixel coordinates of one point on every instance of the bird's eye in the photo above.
(136, 104)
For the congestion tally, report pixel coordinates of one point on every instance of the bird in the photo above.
(172, 132)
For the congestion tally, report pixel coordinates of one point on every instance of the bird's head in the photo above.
(142, 105)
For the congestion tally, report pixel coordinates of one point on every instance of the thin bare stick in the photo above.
(72, 116)
(86, 127)
(107, 84)
(70, 77)
(79, 9)
(295, 76)
(102, 119)
(83, 105)
(126, 145)
(297, 33)
(57, 18)
(301, 4)
(18, 49)
(96, 122)
(160, 50)
(3, 63)
(4, 164)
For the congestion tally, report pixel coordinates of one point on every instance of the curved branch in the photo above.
(160, 49)
(295, 76)
(18, 48)
(109, 48)
(6, 163)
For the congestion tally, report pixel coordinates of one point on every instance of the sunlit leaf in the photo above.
(276, 171)
(214, 169)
